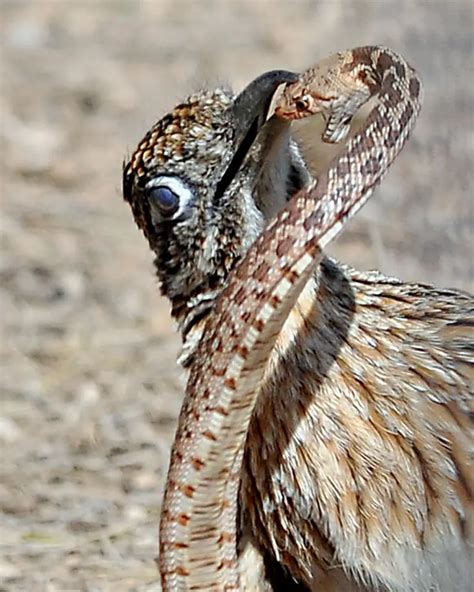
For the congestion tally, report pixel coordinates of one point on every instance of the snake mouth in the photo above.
(283, 113)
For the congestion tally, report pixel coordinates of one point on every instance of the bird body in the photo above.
(363, 435)
(348, 395)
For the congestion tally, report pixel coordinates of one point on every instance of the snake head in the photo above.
(303, 98)
(295, 103)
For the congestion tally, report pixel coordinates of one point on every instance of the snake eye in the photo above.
(168, 198)
(164, 199)
(302, 103)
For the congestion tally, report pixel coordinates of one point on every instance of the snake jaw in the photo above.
(295, 104)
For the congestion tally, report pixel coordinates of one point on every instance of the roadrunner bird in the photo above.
(325, 439)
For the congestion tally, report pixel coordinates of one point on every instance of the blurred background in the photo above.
(90, 388)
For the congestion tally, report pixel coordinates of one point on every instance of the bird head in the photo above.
(205, 180)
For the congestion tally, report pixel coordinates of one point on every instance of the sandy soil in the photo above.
(90, 389)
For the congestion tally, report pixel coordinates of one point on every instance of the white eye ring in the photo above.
(178, 187)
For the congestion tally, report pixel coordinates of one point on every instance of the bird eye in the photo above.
(168, 197)
(164, 199)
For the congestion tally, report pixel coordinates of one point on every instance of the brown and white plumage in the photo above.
(358, 388)
(369, 445)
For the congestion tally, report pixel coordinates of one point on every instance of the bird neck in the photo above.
(191, 314)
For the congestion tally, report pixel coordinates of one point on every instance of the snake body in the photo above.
(198, 532)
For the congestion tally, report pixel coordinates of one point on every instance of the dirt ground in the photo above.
(90, 388)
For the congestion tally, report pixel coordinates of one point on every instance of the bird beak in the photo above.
(249, 112)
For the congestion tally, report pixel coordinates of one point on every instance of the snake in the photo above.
(198, 529)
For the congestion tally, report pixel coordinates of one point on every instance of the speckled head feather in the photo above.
(195, 131)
